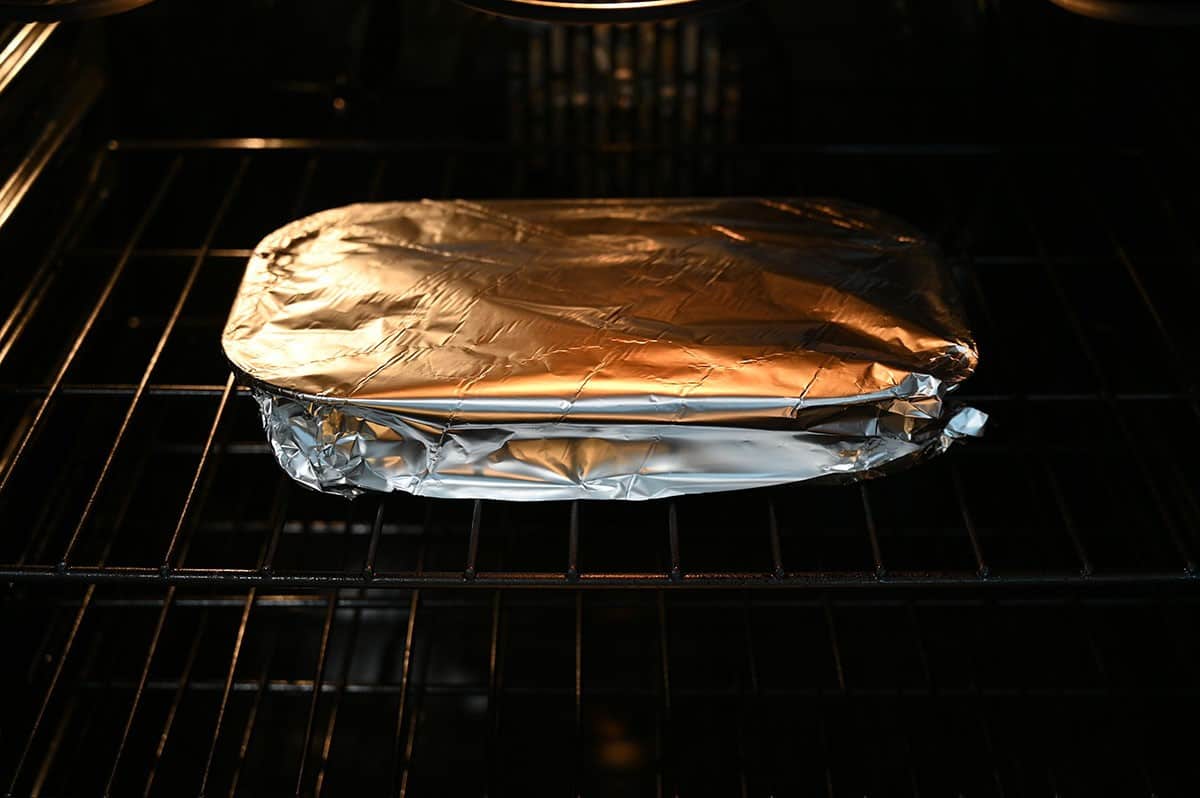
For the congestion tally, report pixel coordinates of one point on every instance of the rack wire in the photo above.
(642, 693)
(136, 458)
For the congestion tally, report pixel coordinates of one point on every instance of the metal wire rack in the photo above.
(512, 692)
(134, 457)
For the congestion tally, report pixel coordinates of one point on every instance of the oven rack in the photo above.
(638, 693)
(132, 455)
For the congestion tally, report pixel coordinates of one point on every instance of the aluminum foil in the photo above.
(629, 349)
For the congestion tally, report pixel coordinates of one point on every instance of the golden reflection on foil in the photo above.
(618, 348)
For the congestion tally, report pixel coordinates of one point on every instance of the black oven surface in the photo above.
(1016, 618)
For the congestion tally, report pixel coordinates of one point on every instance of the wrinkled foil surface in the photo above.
(629, 349)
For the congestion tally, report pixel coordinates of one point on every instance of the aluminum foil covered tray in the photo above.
(627, 349)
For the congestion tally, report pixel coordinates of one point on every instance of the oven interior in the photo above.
(1018, 617)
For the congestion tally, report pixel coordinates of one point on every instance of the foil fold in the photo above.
(630, 349)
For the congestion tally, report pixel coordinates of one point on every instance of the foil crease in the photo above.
(615, 349)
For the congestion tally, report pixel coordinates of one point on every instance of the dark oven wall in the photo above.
(1015, 618)
(944, 70)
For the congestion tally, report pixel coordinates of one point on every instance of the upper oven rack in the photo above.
(134, 457)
